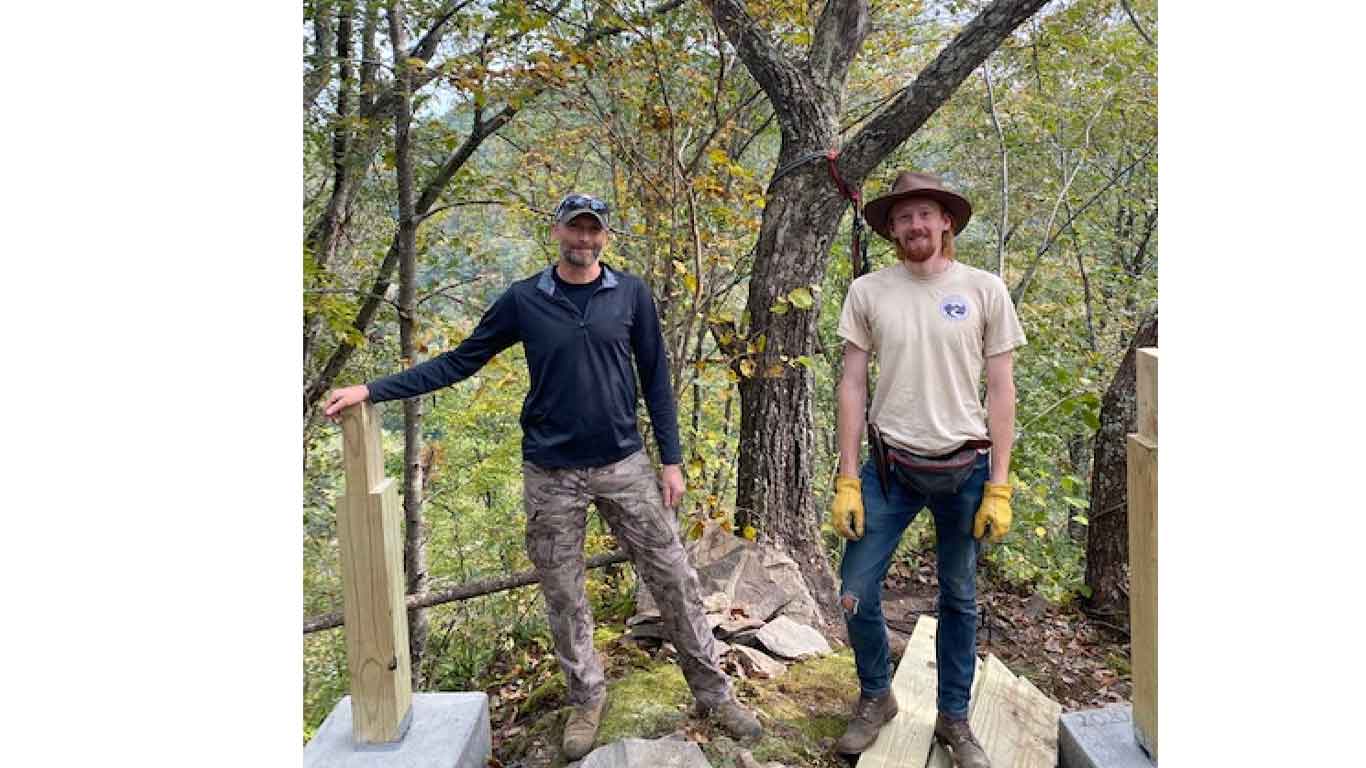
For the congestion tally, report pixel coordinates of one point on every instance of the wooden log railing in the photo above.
(463, 591)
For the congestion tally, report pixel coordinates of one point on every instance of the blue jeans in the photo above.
(865, 565)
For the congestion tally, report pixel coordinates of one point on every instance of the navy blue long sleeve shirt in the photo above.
(581, 408)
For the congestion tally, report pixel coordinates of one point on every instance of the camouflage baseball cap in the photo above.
(575, 204)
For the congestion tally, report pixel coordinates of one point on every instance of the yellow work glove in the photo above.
(846, 513)
(994, 513)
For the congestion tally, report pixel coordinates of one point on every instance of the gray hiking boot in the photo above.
(869, 717)
(582, 728)
(962, 745)
(735, 719)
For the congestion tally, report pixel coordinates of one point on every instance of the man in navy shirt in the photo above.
(581, 324)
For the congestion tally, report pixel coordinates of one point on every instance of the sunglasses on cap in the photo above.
(573, 203)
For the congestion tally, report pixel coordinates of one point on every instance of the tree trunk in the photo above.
(777, 446)
(321, 239)
(1107, 542)
(414, 540)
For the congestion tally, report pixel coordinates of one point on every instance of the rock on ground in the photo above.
(737, 575)
(646, 753)
(756, 663)
(790, 640)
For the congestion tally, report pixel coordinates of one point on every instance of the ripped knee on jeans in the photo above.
(850, 604)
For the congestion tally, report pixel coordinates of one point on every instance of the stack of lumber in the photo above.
(1015, 722)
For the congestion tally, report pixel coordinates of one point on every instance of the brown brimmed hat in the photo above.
(912, 184)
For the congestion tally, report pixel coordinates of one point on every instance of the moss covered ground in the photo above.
(803, 711)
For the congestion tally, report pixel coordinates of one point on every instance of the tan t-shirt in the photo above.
(932, 337)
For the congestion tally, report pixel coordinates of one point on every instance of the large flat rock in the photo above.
(447, 730)
(790, 640)
(727, 628)
(740, 578)
(646, 753)
(758, 664)
(1100, 738)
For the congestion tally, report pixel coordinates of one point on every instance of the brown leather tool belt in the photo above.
(936, 475)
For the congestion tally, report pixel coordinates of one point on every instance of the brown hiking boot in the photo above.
(962, 745)
(734, 718)
(582, 728)
(869, 717)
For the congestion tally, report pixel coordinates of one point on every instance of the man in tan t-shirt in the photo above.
(934, 324)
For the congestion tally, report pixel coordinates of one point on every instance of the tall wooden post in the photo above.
(368, 517)
(1142, 477)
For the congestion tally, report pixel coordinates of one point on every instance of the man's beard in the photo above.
(577, 257)
(917, 250)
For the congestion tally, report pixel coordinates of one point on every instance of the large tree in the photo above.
(801, 216)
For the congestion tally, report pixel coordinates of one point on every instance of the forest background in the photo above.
(428, 185)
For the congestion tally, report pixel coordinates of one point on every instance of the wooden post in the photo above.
(368, 517)
(1142, 478)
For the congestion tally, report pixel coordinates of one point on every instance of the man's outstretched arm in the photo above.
(497, 330)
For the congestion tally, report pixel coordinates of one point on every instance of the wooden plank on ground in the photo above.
(905, 741)
(1015, 723)
(1142, 478)
(1048, 712)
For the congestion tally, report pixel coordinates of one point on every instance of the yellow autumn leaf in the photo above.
(750, 533)
(801, 298)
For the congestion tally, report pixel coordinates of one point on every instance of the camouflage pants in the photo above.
(627, 496)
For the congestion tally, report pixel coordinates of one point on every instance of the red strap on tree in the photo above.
(858, 248)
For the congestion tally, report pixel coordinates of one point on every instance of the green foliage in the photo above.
(683, 150)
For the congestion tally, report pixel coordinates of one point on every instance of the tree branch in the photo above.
(1017, 293)
(781, 80)
(426, 47)
(933, 86)
(608, 31)
(840, 31)
(1005, 175)
(323, 40)
(460, 204)
(369, 56)
(441, 289)
(1137, 26)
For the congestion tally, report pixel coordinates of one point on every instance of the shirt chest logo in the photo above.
(955, 308)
